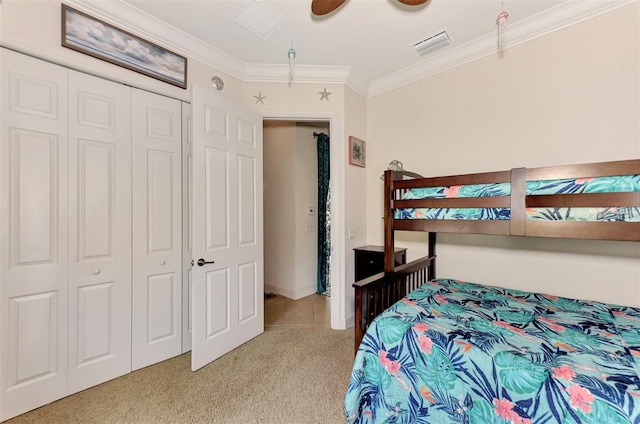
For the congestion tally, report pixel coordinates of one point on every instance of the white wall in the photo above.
(291, 187)
(570, 97)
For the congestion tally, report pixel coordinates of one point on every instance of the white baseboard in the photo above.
(343, 324)
(349, 322)
(291, 294)
(304, 292)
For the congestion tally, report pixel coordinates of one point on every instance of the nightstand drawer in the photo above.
(369, 260)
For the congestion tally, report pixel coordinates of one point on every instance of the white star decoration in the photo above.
(324, 94)
(260, 97)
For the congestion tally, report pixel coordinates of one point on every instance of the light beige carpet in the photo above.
(285, 376)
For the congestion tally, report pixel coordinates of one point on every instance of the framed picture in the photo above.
(357, 151)
(91, 36)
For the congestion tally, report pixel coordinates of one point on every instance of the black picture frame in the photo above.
(357, 152)
(93, 37)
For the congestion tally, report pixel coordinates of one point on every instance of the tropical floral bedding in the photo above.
(625, 183)
(458, 352)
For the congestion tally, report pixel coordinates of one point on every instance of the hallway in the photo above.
(311, 311)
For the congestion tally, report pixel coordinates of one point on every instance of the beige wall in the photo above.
(569, 97)
(356, 196)
(575, 91)
(279, 213)
(34, 27)
(290, 188)
(306, 224)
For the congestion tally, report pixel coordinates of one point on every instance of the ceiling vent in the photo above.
(260, 19)
(431, 43)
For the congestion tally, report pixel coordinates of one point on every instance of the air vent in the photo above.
(260, 19)
(431, 43)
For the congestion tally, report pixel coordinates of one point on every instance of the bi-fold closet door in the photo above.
(157, 230)
(99, 231)
(34, 242)
(90, 216)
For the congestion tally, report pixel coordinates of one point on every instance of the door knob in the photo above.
(201, 262)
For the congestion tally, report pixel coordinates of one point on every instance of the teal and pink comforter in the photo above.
(458, 352)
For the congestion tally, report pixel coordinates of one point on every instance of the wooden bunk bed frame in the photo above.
(376, 293)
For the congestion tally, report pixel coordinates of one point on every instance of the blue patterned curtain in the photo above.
(324, 214)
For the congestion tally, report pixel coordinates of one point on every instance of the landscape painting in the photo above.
(91, 36)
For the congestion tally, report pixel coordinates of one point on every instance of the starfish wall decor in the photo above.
(260, 98)
(324, 94)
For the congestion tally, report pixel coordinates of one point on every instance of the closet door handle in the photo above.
(201, 262)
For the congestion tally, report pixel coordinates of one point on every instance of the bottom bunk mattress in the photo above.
(458, 352)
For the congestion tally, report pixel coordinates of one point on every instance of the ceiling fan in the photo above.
(322, 7)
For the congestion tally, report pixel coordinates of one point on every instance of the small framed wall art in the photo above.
(357, 151)
(91, 36)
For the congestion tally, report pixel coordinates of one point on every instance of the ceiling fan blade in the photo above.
(413, 2)
(322, 7)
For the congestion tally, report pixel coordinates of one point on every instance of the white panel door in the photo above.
(228, 300)
(99, 230)
(186, 227)
(34, 235)
(157, 228)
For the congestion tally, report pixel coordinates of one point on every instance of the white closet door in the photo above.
(186, 227)
(99, 230)
(33, 227)
(157, 236)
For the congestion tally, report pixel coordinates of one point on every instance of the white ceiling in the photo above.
(369, 42)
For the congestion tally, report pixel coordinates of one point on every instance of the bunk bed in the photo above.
(444, 351)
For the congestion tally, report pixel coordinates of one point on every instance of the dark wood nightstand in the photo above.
(370, 260)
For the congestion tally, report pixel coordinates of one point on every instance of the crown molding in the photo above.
(301, 73)
(133, 20)
(554, 19)
(307, 74)
(138, 22)
(358, 83)
(129, 18)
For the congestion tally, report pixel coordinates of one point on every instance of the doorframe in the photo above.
(337, 157)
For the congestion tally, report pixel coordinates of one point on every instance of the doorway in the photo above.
(293, 220)
(341, 296)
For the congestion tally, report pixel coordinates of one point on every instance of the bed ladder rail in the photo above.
(376, 293)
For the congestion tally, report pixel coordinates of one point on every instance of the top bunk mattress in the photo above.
(611, 184)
